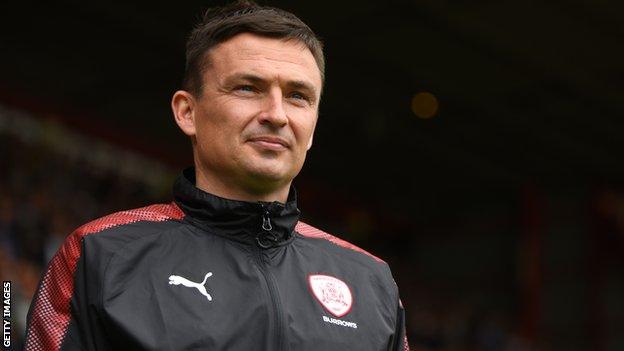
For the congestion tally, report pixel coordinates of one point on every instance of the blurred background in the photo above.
(476, 146)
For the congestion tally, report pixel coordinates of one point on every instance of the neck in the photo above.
(217, 186)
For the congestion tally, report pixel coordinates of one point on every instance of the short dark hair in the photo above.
(222, 23)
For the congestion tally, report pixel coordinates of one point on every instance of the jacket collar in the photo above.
(266, 224)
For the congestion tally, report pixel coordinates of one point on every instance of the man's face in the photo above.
(257, 112)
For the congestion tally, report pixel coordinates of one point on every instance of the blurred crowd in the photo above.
(44, 196)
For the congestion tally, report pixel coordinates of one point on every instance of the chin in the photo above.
(271, 170)
(270, 173)
(267, 175)
(272, 167)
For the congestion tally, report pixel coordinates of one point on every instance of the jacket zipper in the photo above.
(268, 277)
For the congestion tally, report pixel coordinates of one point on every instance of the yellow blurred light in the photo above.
(424, 105)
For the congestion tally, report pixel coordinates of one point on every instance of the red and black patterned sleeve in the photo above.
(50, 315)
(61, 313)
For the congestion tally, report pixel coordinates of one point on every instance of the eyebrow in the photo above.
(292, 84)
(245, 76)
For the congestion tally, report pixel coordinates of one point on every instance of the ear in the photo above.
(183, 107)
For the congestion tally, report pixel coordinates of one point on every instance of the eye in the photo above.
(299, 96)
(245, 88)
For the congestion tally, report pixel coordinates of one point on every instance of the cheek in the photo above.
(220, 124)
(232, 117)
(303, 128)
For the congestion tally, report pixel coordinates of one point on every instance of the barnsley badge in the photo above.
(332, 293)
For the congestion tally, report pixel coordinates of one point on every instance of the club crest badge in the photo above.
(332, 293)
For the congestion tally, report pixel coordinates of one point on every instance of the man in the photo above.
(227, 266)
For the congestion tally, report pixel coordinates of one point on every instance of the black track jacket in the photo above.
(208, 273)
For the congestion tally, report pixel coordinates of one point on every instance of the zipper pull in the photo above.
(266, 221)
(266, 239)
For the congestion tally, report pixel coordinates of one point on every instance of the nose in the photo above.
(273, 112)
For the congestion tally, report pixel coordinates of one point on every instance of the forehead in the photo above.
(265, 56)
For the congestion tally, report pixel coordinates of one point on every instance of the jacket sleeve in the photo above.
(400, 340)
(53, 320)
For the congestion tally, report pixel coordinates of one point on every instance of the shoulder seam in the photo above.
(152, 213)
(309, 231)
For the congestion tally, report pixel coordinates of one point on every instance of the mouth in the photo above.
(270, 142)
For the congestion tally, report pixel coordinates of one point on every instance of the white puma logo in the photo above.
(177, 280)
